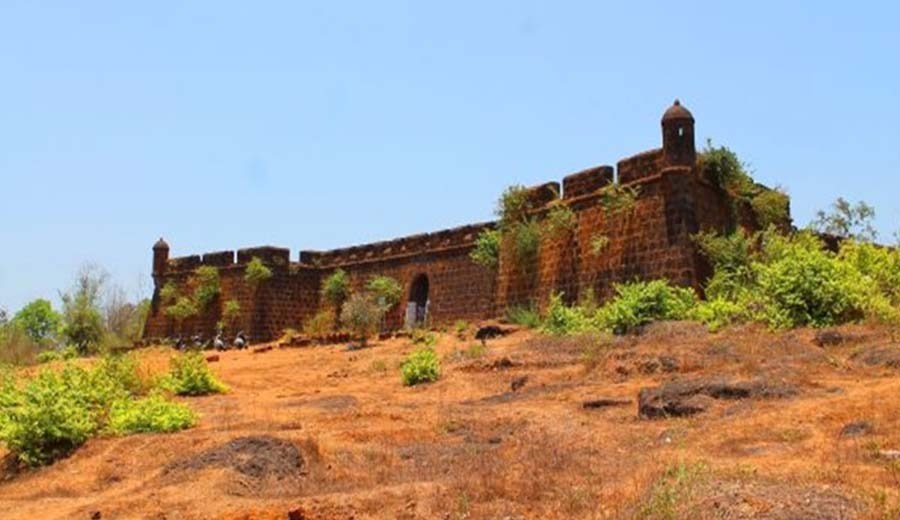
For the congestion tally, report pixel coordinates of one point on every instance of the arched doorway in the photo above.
(417, 306)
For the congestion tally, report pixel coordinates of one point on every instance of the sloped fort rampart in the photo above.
(651, 239)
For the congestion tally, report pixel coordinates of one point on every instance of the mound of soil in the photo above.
(689, 397)
(888, 356)
(745, 501)
(260, 460)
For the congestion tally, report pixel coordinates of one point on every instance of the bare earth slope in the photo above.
(775, 426)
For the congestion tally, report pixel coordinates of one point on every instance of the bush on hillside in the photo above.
(361, 316)
(639, 303)
(55, 411)
(153, 413)
(189, 374)
(421, 366)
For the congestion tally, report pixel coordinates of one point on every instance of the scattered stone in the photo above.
(857, 429)
(828, 338)
(212, 359)
(260, 350)
(495, 440)
(604, 402)
(489, 331)
(501, 364)
(296, 341)
(296, 514)
(889, 454)
(518, 383)
(689, 397)
(96, 515)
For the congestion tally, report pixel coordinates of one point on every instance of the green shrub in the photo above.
(717, 313)
(806, 285)
(724, 169)
(336, 288)
(256, 272)
(526, 241)
(189, 374)
(562, 320)
(486, 252)
(639, 303)
(771, 208)
(526, 316)
(361, 316)
(513, 206)
(385, 291)
(169, 293)
(422, 366)
(231, 313)
(206, 279)
(181, 310)
(153, 413)
(616, 198)
(52, 413)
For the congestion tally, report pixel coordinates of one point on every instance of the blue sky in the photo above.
(221, 125)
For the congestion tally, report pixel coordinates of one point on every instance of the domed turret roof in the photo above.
(160, 244)
(676, 111)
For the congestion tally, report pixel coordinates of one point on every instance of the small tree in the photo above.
(386, 292)
(336, 288)
(361, 316)
(39, 321)
(231, 312)
(847, 221)
(82, 317)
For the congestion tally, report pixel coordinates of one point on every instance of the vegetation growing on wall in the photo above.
(559, 221)
(256, 273)
(206, 286)
(487, 249)
(616, 198)
(724, 170)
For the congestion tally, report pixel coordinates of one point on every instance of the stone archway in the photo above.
(418, 302)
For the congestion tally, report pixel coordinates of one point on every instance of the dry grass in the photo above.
(469, 446)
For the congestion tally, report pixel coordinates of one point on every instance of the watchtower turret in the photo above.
(678, 136)
(160, 257)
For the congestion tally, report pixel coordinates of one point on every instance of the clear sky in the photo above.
(312, 125)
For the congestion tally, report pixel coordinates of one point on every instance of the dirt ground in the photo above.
(330, 433)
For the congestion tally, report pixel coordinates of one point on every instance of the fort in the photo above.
(652, 239)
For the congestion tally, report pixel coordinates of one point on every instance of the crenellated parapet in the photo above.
(640, 230)
(413, 245)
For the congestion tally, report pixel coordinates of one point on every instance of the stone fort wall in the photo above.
(650, 240)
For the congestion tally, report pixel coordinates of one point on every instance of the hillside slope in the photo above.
(775, 426)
